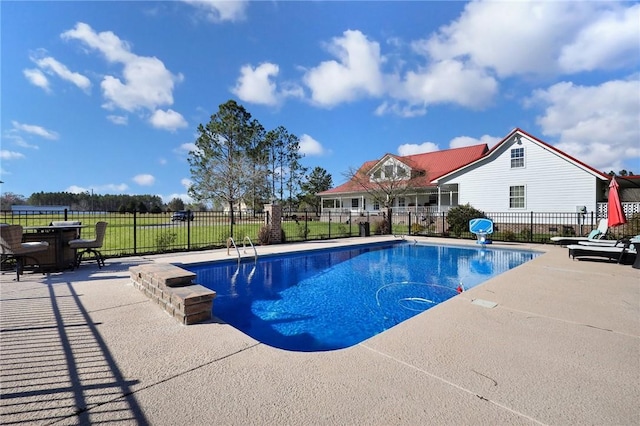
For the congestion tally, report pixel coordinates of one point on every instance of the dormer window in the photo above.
(517, 158)
(388, 171)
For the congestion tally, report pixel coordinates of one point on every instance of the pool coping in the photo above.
(560, 346)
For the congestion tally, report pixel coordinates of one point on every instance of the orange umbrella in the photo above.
(615, 213)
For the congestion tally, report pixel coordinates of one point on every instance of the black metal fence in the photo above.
(147, 233)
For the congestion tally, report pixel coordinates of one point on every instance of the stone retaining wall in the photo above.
(173, 289)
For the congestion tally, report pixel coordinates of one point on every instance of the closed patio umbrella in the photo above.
(615, 213)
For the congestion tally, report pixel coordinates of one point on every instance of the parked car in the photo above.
(182, 215)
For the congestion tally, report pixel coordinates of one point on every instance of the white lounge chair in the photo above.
(597, 234)
(611, 243)
(610, 252)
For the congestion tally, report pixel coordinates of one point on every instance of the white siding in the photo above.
(552, 183)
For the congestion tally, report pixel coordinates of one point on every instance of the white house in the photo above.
(520, 174)
(523, 173)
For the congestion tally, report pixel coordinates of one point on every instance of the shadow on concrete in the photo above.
(56, 367)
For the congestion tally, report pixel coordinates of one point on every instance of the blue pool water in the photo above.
(332, 299)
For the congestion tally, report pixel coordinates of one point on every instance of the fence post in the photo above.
(443, 229)
(189, 229)
(329, 225)
(409, 221)
(65, 214)
(306, 225)
(135, 233)
(531, 228)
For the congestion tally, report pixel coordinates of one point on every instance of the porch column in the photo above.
(439, 195)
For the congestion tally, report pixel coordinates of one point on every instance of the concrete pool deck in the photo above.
(562, 346)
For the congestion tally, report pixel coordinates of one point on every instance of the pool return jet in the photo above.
(482, 227)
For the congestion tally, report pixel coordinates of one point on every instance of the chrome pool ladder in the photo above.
(231, 242)
(255, 252)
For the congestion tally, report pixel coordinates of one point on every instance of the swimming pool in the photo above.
(331, 299)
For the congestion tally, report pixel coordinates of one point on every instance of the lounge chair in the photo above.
(627, 248)
(597, 234)
(612, 243)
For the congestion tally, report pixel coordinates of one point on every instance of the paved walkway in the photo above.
(561, 347)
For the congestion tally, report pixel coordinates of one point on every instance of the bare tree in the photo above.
(386, 180)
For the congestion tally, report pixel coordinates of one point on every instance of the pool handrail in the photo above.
(231, 242)
(255, 252)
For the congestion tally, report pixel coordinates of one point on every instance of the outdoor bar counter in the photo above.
(59, 256)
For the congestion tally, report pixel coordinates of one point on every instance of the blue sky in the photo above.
(107, 96)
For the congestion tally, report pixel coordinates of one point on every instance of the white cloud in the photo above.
(256, 85)
(514, 38)
(10, 155)
(186, 182)
(14, 135)
(412, 148)
(186, 148)
(449, 82)
(355, 75)
(310, 146)
(52, 66)
(120, 120)
(75, 189)
(462, 141)
(37, 78)
(146, 82)
(144, 179)
(406, 111)
(597, 124)
(611, 41)
(221, 10)
(184, 197)
(110, 188)
(35, 130)
(167, 120)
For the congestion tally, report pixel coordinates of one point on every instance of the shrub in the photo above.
(302, 231)
(341, 229)
(381, 227)
(165, 239)
(509, 236)
(264, 235)
(526, 235)
(458, 218)
(416, 228)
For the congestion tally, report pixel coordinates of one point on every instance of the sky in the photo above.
(106, 97)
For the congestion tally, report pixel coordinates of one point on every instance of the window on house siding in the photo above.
(354, 203)
(516, 197)
(401, 202)
(517, 158)
(377, 174)
(376, 205)
(401, 172)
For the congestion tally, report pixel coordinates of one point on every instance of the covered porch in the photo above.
(426, 201)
